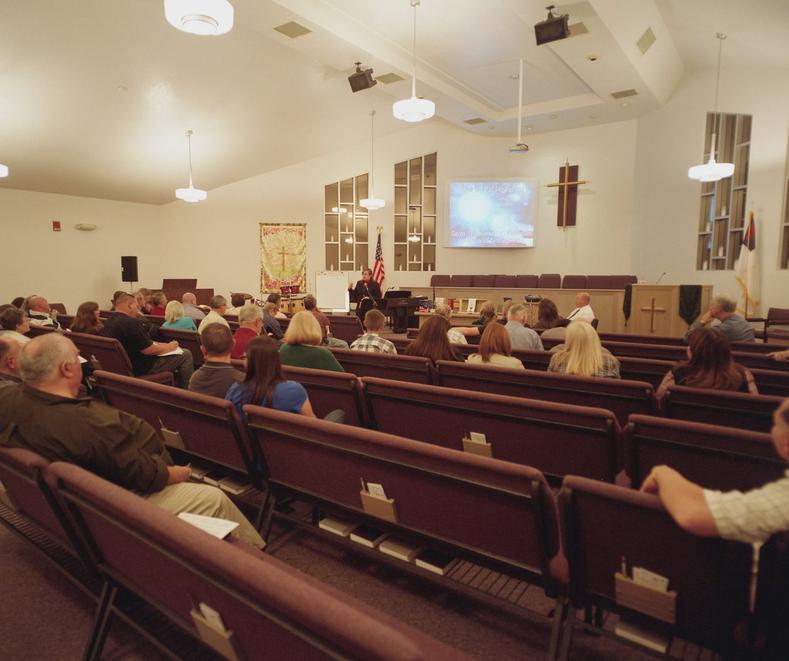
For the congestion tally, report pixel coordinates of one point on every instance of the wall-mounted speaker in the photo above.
(129, 268)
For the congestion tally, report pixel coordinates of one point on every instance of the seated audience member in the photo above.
(780, 355)
(237, 301)
(264, 383)
(39, 312)
(709, 365)
(521, 336)
(9, 362)
(218, 306)
(495, 349)
(189, 301)
(271, 324)
(582, 311)
(432, 341)
(723, 316)
(749, 517)
(216, 374)
(15, 324)
(487, 314)
(505, 308)
(302, 345)
(250, 325)
(549, 321)
(371, 340)
(87, 319)
(51, 420)
(582, 354)
(311, 305)
(174, 317)
(158, 304)
(18, 301)
(454, 335)
(143, 298)
(146, 355)
(276, 299)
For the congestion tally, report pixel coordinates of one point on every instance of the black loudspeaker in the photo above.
(129, 268)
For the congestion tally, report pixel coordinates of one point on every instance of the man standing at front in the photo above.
(147, 356)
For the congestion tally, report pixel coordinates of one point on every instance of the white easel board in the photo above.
(331, 290)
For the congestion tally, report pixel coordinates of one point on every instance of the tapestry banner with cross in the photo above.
(283, 256)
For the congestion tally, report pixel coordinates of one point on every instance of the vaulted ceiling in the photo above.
(95, 95)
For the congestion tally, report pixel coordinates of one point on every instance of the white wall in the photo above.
(71, 266)
(666, 202)
(218, 239)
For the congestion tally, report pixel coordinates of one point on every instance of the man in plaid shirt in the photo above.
(371, 341)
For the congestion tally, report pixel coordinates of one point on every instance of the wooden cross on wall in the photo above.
(568, 192)
(652, 310)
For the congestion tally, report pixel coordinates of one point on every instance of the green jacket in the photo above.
(119, 447)
(301, 355)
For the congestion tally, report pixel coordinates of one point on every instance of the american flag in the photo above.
(378, 268)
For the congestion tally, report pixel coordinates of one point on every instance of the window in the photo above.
(722, 210)
(415, 214)
(345, 225)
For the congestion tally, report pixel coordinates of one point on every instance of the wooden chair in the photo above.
(775, 317)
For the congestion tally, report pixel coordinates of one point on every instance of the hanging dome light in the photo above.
(3, 170)
(372, 203)
(201, 17)
(190, 194)
(712, 170)
(414, 109)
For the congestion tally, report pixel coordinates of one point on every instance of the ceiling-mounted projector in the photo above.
(361, 79)
(552, 28)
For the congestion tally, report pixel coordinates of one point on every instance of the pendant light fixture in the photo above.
(520, 147)
(3, 170)
(711, 170)
(201, 17)
(414, 109)
(190, 194)
(372, 203)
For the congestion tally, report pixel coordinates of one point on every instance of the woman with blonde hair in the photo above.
(495, 349)
(302, 345)
(582, 354)
(174, 317)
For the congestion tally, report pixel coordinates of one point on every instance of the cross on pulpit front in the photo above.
(652, 310)
(568, 185)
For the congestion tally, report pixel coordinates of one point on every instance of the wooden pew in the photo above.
(557, 439)
(186, 339)
(622, 397)
(452, 500)
(605, 526)
(267, 609)
(345, 327)
(413, 369)
(111, 356)
(329, 390)
(716, 457)
(719, 407)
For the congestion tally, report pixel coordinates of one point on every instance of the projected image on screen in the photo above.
(492, 214)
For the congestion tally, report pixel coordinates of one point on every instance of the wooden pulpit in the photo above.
(654, 310)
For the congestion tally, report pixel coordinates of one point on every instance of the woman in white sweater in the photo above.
(495, 349)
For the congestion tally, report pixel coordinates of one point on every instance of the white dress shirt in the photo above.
(584, 314)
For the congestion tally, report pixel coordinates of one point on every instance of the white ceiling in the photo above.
(95, 95)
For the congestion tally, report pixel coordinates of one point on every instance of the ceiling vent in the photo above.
(646, 40)
(623, 94)
(389, 78)
(292, 29)
(578, 29)
(474, 120)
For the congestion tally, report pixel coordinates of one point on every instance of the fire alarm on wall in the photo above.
(55, 225)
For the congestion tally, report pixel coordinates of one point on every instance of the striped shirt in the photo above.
(752, 516)
(373, 343)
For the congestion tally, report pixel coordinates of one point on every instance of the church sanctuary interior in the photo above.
(394, 329)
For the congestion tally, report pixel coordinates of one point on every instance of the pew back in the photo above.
(329, 390)
(720, 407)
(413, 369)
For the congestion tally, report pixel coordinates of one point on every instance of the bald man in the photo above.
(9, 362)
(39, 312)
(50, 419)
(189, 302)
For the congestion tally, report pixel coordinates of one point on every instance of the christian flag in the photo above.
(378, 268)
(747, 272)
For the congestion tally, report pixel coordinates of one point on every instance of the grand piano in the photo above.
(401, 308)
